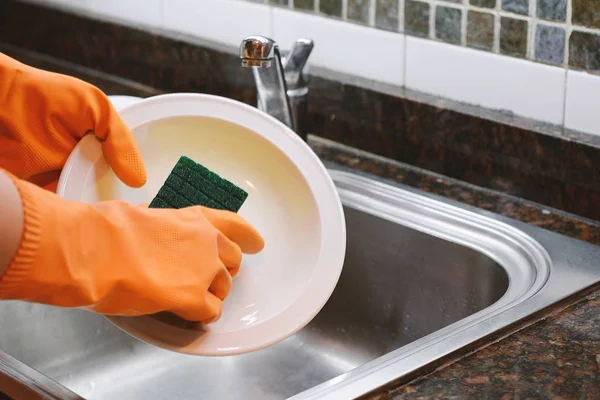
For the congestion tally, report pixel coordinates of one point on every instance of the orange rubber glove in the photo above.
(116, 258)
(42, 117)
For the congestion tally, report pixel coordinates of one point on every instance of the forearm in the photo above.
(11, 221)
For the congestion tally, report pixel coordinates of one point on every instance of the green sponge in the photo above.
(191, 184)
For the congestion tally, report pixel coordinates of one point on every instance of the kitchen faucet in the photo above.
(281, 83)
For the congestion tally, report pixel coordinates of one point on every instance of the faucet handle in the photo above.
(295, 63)
(257, 51)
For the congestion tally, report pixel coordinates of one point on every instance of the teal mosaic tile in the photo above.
(447, 24)
(516, 6)
(552, 10)
(550, 44)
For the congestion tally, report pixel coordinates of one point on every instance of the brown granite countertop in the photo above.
(557, 357)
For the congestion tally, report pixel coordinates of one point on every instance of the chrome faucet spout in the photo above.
(281, 85)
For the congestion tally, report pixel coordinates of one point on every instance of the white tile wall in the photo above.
(222, 21)
(341, 46)
(525, 88)
(583, 102)
(482, 78)
(143, 12)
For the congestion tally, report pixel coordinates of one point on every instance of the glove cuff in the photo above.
(25, 256)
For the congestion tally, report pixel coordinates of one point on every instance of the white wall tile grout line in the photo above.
(465, 21)
(531, 27)
(401, 10)
(584, 29)
(432, 11)
(401, 6)
(372, 11)
(497, 21)
(564, 116)
(463, 26)
(568, 30)
(532, 8)
(344, 10)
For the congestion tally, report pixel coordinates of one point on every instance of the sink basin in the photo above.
(423, 278)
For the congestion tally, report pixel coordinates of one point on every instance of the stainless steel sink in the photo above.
(424, 277)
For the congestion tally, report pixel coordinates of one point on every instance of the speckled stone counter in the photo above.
(556, 357)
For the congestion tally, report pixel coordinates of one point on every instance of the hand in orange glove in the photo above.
(42, 117)
(115, 258)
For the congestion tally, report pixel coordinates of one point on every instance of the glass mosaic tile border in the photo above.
(556, 32)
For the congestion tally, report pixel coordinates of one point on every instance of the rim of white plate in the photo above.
(331, 214)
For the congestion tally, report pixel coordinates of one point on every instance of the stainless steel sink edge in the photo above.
(561, 271)
(542, 267)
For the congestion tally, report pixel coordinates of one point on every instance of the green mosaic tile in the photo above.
(584, 51)
(331, 7)
(552, 10)
(513, 37)
(447, 24)
(304, 4)
(480, 30)
(416, 18)
(586, 13)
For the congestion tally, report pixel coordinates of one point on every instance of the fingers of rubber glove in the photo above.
(230, 254)
(236, 228)
(118, 143)
(207, 312)
(221, 285)
(123, 156)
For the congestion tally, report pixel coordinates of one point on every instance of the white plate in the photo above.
(292, 202)
(122, 101)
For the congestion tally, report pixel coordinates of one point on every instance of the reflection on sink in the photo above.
(399, 285)
(422, 279)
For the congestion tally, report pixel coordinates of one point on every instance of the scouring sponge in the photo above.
(192, 184)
